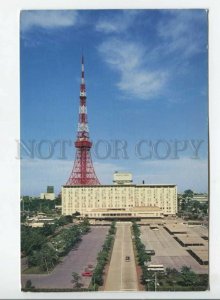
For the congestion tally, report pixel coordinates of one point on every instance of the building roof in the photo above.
(201, 252)
(176, 228)
(119, 185)
(156, 184)
(199, 248)
(189, 239)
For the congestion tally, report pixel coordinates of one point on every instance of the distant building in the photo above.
(202, 198)
(123, 199)
(49, 195)
(39, 220)
(50, 189)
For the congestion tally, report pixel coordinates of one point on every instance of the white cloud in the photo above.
(182, 32)
(146, 72)
(118, 23)
(48, 19)
(128, 58)
(108, 27)
(185, 172)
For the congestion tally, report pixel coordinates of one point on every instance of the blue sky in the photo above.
(146, 78)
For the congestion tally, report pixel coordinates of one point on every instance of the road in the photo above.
(122, 275)
(77, 259)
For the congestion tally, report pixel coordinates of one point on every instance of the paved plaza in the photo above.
(77, 259)
(122, 274)
(168, 251)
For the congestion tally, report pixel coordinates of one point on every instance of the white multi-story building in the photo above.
(202, 198)
(47, 196)
(121, 199)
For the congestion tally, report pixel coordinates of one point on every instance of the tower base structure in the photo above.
(83, 172)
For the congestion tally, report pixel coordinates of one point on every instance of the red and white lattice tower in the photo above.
(83, 172)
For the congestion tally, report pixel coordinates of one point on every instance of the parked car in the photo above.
(87, 274)
(150, 252)
(127, 258)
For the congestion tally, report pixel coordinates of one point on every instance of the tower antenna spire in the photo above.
(83, 172)
(82, 55)
(82, 71)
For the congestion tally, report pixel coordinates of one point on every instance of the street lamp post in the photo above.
(155, 281)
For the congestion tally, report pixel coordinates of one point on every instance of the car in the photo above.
(87, 274)
(127, 258)
(150, 252)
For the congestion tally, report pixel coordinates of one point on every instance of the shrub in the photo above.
(103, 257)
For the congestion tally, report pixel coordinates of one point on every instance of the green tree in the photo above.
(62, 221)
(31, 239)
(97, 276)
(146, 275)
(183, 204)
(171, 272)
(204, 280)
(76, 278)
(69, 219)
(23, 218)
(204, 208)
(188, 194)
(102, 258)
(48, 229)
(46, 258)
(187, 277)
(85, 225)
(28, 285)
(58, 200)
(112, 229)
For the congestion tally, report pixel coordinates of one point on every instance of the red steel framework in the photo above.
(83, 172)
